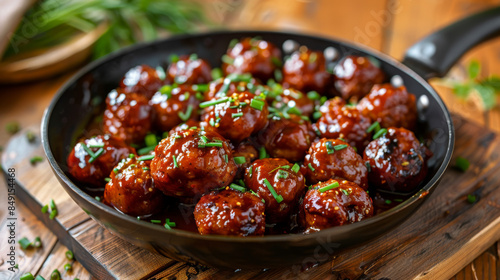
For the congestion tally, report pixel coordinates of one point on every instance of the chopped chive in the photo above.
(146, 150)
(107, 179)
(236, 115)
(388, 201)
(313, 57)
(34, 160)
(161, 73)
(329, 147)
(344, 191)
(311, 167)
(329, 187)
(27, 276)
(131, 156)
(52, 205)
(37, 243)
(200, 87)
(185, 116)
(257, 104)
(375, 126)
(278, 198)
(53, 214)
(462, 163)
(313, 95)
(55, 275)
(12, 127)
(262, 153)
(398, 200)
(340, 147)
(24, 243)
(213, 144)
(115, 170)
(39, 277)
(171, 224)
(278, 75)
(368, 166)
(276, 61)
(204, 138)
(173, 58)
(156, 221)
(88, 150)
(166, 90)
(226, 158)
(213, 102)
(175, 161)
(199, 96)
(250, 171)
(193, 56)
(145, 157)
(69, 255)
(96, 155)
(68, 267)
(237, 187)
(241, 183)
(471, 198)
(233, 43)
(96, 145)
(316, 115)
(150, 140)
(98, 198)
(216, 73)
(227, 59)
(282, 174)
(296, 168)
(178, 136)
(379, 133)
(240, 160)
(45, 209)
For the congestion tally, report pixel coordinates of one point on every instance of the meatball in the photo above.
(172, 106)
(330, 158)
(189, 70)
(141, 79)
(287, 138)
(230, 212)
(305, 70)
(281, 187)
(397, 161)
(106, 152)
(189, 163)
(257, 57)
(131, 189)
(238, 116)
(344, 122)
(334, 203)
(127, 116)
(292, 98)
(390, 106)
(354, 76)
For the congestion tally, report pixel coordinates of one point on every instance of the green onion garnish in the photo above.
(216, 73)
(88, 150)
(312, 57)
(236, 115)
(176, 165)
(185, 116)
(213, 144)
(250, 171)
(156, 221)
(316, 115)
(296, 168)
(398, 200)
(226, 158)
(240, 160)
(116, 170)
(68, 267)
(379, 133)
(388, 201)
(55, 275)
(37, 243)
(160, 72)
(237, 187)
(69, 255)
(368, 166)
(375, 126)
(53, 214)
(173, 58)
(278, 198)
(340, 147)
(233, 43)
(199, 96)
(213, 102)
(12, 127)
(96, 145)
(276, 61)
(146, 150)
(52, 205)
(107, 180)
(45, 209)
(278, 75)
(27, 276)
(329, 187)
(262, 153)
(36, 159)
(131, 156)
(146, 157)
(462, 163)
(166, 90)
(257, 104)
(96, 155)
(204, 138)
(24, 243)
(193, 56)
(227, 59)
(200, 87)
(151, 140)
(98, 198)
(311, 167)
(329, 147)
(313, 95)
(344, 191)
(471, 198)
(38, 277)
(282, 174)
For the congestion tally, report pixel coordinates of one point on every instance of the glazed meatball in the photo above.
(107, 151)
(287, 138)
(292, 98)
(354, 76)
(257, 57)
(238, 116)
(174, 105)
(131, 189)
(330, 158)
(334, 203)
(344, 122)
(305, 70)
(269, 175)
(189, 70)
(390, 106)
(230, 212)
(189, 163)
(127, 116)
(397, 160)
(141, 79)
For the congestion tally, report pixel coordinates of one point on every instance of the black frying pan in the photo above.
(72, 107)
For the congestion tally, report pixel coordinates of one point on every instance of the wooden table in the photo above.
(387, 25)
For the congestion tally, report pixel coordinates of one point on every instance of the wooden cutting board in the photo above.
(436, 242)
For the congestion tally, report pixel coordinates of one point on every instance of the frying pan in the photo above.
(74, 104)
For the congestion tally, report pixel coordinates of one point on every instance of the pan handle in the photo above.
(434, 55)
